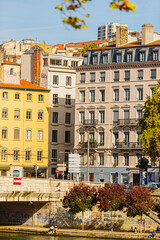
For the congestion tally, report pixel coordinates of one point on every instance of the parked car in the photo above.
(152, 185)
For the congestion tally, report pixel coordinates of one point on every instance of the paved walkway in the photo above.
(76, 232)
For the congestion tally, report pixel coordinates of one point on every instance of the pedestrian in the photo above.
(131, 230)
(51, 229)
(135, 230)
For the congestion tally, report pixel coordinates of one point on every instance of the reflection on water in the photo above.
(14, 236)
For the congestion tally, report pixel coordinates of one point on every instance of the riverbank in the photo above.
(76, 232)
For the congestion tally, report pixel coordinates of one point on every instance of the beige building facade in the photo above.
(111, 89)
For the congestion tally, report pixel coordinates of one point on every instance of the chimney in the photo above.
(121, 35)
(37, 67)
(147, 33)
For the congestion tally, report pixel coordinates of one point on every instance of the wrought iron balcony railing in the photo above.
(90, 122)
(128, 145)
(91, 145)
(129, 122)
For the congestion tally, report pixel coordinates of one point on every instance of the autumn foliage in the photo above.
(111, 197)
(138, 201)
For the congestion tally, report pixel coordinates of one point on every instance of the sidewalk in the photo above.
(76, 232)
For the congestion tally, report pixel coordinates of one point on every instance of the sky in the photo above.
(39, 20)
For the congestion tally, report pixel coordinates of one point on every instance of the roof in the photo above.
(59, 46)
(31, 51)
(23, 85)
(11, 63)
(28, 39)
(154, 43)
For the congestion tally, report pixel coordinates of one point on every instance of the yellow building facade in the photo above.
(23, 130)
(46, 47)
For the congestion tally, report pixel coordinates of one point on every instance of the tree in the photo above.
(67, 7)
(138, 202)
(80, 198)
(88, 46)
(150, 125)
(111, 198)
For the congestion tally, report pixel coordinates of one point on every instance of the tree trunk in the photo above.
(82, 220)
(141, 223)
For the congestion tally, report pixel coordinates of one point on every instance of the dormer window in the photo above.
(155, 55)
(95, 59)
(85, 60)
(105, 58)
(119, 58)
(142, 56)
(129, 57)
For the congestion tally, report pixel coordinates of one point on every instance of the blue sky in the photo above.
(39, 20)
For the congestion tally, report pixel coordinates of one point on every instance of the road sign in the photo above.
(62, 169)
(74, 163)
(61, 165)
(57, 171)
(17, 181)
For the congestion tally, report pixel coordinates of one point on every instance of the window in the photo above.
(95, 59)
(40, 114)
(53, 171)
(4, 154)
(29, 97)
(92, 77)
(28, 154)
(127, 75)
(126, 116)
(116, 95)
(68, 118)
(81, 136)
(74, 63)
(155, 55)
(55, 61)
(81, 117)
(54, 136)
(55, 117)
(45, 61)
(115, 159)
(83, 77)
(5, 95)
(101, 138)
(126, 94)
(16, 134)
(116, 75)
(129, 57)
(140, 74)
(82, 96)
(115, 116)
(153, 73)
(39, 155)
(142, 56)
(4, 113)
(55, 80)
(139, 113)
(126, 138)
(119, 58)
(102, 76)
(91, 116)
(92, 95)
(54, 155)
(68, 99)
(29, 114)
(66, 158)
(55, 98)
(85, 60)
(67, 136)
(28, 134)
(140, 93)
(101, 159)
(91, 159)
(105, 58)
(115, 137)
(11, 71)
(4, 133)
(101, 116)
(16, 154)
(126, 159)
(139, 141)
(65, 63)
(40, 134)
(40, 98)
(102, 95)
(82, 159)
(17, 96)
(151, 91)
(68, 81)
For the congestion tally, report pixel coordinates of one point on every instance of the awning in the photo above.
(5, 168)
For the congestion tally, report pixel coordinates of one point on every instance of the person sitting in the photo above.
(135, 230)
(51, 229)
(131, 230)
(158, 229)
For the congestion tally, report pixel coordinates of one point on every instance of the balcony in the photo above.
(126, 122)
(128, 145)
(90, 122)
(91, 145)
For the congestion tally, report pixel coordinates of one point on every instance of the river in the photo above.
(15, 236)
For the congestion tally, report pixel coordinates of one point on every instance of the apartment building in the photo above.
(111, 89)
(23, 129)
(57, 73)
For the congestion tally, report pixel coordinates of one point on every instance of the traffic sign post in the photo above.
(74, 163)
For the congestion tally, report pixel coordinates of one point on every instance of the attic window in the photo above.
(55, 61)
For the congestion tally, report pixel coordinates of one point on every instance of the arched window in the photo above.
(4, 133)
(29, 96)
(40, 98)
